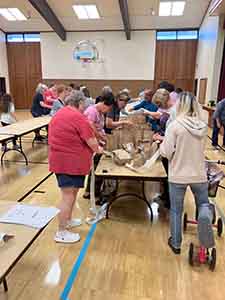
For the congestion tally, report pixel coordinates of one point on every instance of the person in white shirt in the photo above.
(8, 116)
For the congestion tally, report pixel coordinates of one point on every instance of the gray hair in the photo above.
(75, 98)
(106, 90)
(41, 88)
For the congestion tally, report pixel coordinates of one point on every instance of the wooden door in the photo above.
(24, 61)
(175, 62)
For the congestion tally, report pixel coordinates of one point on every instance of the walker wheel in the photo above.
(219, 227)
(191, 255)
(185, 221)
(212, 264)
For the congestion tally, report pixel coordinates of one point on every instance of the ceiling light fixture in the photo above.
(12, 14)
(165, 9)
(85, 12)
(168, 8)
(178, 8)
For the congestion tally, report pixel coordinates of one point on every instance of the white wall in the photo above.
(123, 59)
(3, 60)
(210, 52)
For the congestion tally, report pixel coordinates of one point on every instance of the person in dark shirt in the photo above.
(38, 107)
(148, 105)
(218, 122)
(112, 118)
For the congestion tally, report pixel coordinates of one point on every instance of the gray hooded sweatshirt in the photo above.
(183, 146)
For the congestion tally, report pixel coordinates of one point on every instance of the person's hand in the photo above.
(100, 150)
(157, 137)
(128, 123)
(145, 112)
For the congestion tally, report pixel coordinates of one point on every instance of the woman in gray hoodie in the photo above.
(183, 146)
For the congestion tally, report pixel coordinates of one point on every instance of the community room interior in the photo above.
(112, 145)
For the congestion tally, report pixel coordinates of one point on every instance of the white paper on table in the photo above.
(29, 215)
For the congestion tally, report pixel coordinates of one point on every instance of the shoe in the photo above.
(74, 223)
(205, 231)
(175, 250)
(66, 237)
(102, 200)
(216, 148)
(86, 195)
(97, 215)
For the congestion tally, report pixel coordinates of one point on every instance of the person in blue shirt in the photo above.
(147, 104)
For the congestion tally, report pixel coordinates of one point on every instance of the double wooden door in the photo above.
(25, 73)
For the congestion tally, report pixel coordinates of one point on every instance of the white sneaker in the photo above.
(74, 223)
(216, 148)
(66, 237)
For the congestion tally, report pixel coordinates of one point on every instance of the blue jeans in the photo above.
(177, 193)
(215, 134)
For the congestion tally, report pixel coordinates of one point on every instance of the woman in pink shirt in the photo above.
(72, 145)
(96, 117)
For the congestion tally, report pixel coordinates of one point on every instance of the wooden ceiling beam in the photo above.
(125, 16)
(50, 17)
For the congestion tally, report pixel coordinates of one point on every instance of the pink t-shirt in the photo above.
(96, 118)
(69, 152)
(173, 97)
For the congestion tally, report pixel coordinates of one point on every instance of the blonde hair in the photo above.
(161, 98)
(188, 106)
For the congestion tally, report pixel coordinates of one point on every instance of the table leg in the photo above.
(5, 285)
(20, 150)
(128, 195)
(2, 156)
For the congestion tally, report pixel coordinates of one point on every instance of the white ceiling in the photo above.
(139, 11)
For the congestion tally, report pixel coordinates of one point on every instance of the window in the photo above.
(23, 37)
(14, 38)
(32, 37)
(166, 35)
(177, 35)
(187, 35)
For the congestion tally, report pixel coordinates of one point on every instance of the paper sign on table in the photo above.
(29, 215)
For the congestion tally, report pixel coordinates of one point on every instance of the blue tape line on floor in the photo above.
(76, 267)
